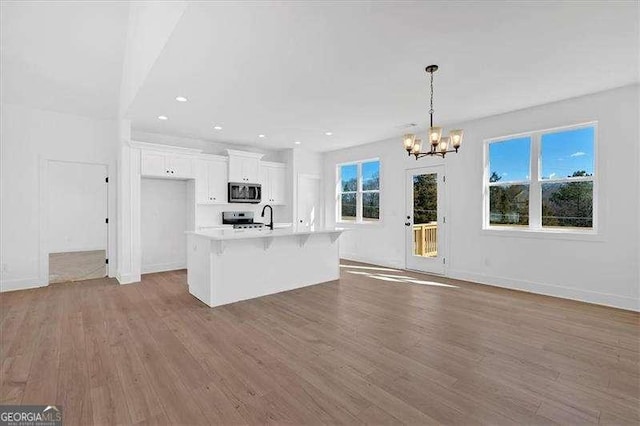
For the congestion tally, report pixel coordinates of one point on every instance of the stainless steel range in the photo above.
(240, 220)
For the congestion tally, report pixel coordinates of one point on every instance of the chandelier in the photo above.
(439, 145)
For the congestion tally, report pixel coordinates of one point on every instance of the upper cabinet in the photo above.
(212, 173)
(273, 180)
(153, 164)
(211, 180)
(244, 166)
(166, 164)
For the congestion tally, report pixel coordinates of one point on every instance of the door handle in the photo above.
(407, 224)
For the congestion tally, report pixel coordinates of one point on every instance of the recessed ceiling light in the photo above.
(297, 142)
(261, 136)
(163, 117)
(328, 133)
(217, 127)
(181, 99)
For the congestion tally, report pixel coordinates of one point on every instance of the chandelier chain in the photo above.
(431, 99)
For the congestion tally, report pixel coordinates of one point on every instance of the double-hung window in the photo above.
(542, 180)
(358, 195)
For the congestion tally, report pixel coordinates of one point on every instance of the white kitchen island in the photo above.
(226, 266)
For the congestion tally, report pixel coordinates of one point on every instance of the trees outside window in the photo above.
(425, 198)
(542, 180)
(359, 192)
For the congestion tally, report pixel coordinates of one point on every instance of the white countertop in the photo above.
(241, 234)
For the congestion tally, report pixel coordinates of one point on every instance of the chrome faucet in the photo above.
(270, 225)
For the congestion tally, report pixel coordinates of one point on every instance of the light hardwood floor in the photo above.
(374, 348)
(77, 266)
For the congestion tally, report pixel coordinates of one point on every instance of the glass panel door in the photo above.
(425, 221)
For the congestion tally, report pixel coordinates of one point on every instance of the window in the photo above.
(359, 192)
(542, 181)
(567, 173)
(509, 182)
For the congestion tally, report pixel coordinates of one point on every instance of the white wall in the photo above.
(27, 136)
(604, 270)
(163, 222)
(302, 161)
(638, 175)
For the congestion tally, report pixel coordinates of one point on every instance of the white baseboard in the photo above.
(127, 278)
(163, 267)
(20, 284)
(380, 262)
(606, 299)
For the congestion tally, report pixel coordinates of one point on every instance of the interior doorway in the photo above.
(308, 202)
(425, 220)
(163, 223)
(77, 221)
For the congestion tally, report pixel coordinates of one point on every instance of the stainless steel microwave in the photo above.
(245, 192)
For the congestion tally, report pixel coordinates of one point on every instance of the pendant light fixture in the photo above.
(438, 144)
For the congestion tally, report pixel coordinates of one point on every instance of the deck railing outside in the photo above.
(425, 237)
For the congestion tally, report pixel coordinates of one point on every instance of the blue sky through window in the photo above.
(510, 159)
(371, 175)
(349, 176)
(566, 152)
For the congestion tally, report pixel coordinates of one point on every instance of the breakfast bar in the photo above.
(226, 266)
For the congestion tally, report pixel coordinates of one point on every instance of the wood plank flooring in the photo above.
(379, 346)
(77, 266)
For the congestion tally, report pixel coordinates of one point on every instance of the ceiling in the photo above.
(64, 56)
(293, 70)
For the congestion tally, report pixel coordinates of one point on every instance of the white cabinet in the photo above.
(212, 173)
(244, 169)
(218, 181)
(273, 180)
(164, 164)
(179, 165)
(244, 166)
(211, 180)
(153, 164)
(277, 183)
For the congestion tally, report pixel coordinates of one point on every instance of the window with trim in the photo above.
(542, 180)
(358, 198)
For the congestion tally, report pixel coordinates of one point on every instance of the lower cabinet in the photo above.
(211, 181)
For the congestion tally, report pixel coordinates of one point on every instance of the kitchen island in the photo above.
(226, 266)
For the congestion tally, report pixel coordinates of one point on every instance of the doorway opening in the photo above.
(77, 221)
(163, 222)
(425, 224)
(308, 205)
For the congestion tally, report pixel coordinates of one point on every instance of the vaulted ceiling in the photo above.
(63, 56)
(293, 71)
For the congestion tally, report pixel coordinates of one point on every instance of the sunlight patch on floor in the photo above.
(381, 278)
(431, 283)
(399, 278)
